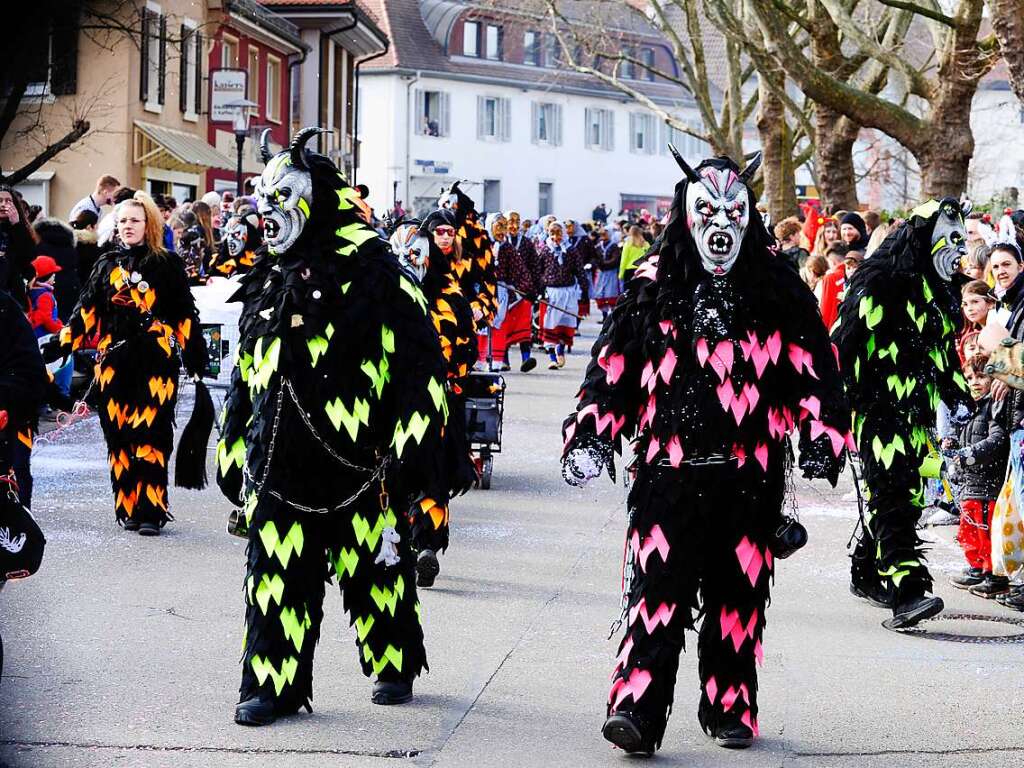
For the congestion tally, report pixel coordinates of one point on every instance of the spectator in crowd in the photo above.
(44, 315)
(978, 461)
(976, 264)
(607, 285)
(977, 301)
(634, 248)
(788, 232)
(813, 270)
(84, 226)
(878, 235)
(106, 230)
(828, 233)
(853, 232)
(833, 285)
(34, 212)
(166, 204)
(17, 246)
(851, 262)
(600, 214)
(101, 196)
(57, 241)
(568, 293)
(872, 221)
(197, 244)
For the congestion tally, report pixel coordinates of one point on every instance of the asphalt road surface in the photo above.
(124, 651)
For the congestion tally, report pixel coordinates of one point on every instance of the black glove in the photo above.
(52, 350)
(817, 460)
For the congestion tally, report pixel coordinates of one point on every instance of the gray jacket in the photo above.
(979, 465)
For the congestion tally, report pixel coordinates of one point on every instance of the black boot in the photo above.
(255, 711)
(149, 529)
(427, 568)
(733, 735)
(908, 611)
(970, 577)
(387, 692)
(991, 586)
(131, 524)
(625, 730)
(874, 592)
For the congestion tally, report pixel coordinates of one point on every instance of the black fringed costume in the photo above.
(708, 370)
(332, 426)
(138, 305)
(453, 321)
(475, 269)
(896, 337)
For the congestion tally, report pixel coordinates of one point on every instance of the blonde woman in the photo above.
(634, 248)
(138, 303)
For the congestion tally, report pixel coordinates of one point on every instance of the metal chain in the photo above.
(316, 435)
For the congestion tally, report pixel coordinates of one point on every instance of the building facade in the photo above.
(468, 93)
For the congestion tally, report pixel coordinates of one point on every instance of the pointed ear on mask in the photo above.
(747, 174)
(691, 174)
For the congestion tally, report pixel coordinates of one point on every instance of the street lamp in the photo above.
(240, 125)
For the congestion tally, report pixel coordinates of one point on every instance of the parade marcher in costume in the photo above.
(519, 269)
(240, 241)
(426, 250)
(712, 356)
(567, 291)
(897, 337)
(607, 285)
(138, 302)
(493, 342)
(17, 247)
(473, 263)
(332, 426)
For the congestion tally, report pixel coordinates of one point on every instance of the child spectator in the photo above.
(977, 301)
(833, 285)
(978, 458)
(788, 232)
(43, 315)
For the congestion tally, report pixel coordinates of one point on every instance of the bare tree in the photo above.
(1008, 23)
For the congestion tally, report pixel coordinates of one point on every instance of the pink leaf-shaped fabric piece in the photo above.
(668, 364)
(645, 376)
(711, 689)
(616, 366)
(724, 352)
(639, 680)
(701, 348)
(768, 558)
(663, 615)
(739, 407)
(801, 359)
(655, 541)
(668, 328)
(761, 454)
(729, 698)
(745, 693)
(774, 346)
(622, 659)
(652, 449)
(725, 394)
(812, 405)
(740, 453)
(750, 559)
(728, 620)
(745, 719)
(752, 394)
(675, 451)
(759, 653)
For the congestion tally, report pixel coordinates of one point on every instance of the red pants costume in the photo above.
(975, 535)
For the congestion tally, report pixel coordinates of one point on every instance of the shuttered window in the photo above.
(643, 132)
(599, 129)
(153, 71)
(493, 118)
(546, 120)
(433, 113)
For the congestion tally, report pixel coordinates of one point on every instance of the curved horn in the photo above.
(747, 174)
(690, 173)
(298, 145)
(265, 153)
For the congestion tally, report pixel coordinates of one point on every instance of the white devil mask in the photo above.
(411, 248)
(236, 234)
(284, 191)
(949, 237)
(717, 211)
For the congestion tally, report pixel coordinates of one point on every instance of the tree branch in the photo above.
(920, 10)
(78, 130)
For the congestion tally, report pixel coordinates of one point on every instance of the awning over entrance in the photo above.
(161, 147)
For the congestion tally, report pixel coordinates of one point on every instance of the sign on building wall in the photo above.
(433, 167)
(226, 86)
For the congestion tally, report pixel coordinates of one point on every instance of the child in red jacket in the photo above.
(43, 315)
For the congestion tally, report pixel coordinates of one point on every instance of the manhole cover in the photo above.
(994, 630)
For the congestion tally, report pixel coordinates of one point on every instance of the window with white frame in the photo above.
(599, 129)
(545, 198)
(647, 57)
(153, 71)
(643, 132)
(492, 195)
(493, 41)
(273, 88)
(433, 113)
(547, 124)
(471, 39)
(228, 52)
(550, 50)
(531, 48)
(253, 81)
(493, 118)
(627, 70)
(190, 76)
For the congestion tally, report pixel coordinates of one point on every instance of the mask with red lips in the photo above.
(717, 213)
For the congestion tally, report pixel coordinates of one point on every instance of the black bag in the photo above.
(21, 540)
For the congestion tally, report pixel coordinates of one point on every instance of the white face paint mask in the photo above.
(949, 240)
(717, 214)
(411, 248)
(284, 197)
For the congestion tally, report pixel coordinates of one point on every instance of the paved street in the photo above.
(123, 651)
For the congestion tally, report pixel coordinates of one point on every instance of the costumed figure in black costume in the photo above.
(714, 354)
(896, 336)
(426, 249)
(472, 261)
(332, 426)
(241, 240)
(137, 303)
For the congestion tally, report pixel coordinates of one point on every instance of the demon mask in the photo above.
(411, 247)
(949, 237)
(717, 210)
(285, 191)
(241, 233)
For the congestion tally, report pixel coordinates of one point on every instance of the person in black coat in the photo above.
(854, 232)
(17, 246)
(57, 240)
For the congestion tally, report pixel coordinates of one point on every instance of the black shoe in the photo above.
(149, 529)
(255, 712)
(131, 525)
(968, 578)
(874, 593)
(388, 692)
(623, 730)
(991, 586)
(427, 568)
(910, 611)
(734, 736)
(1013, 601)
(528, 365)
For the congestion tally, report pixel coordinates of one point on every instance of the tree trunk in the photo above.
(945, 156)
(777, 162)
(834, 136)
(1008, 23)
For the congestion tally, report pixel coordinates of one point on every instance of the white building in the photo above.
(468, 93)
